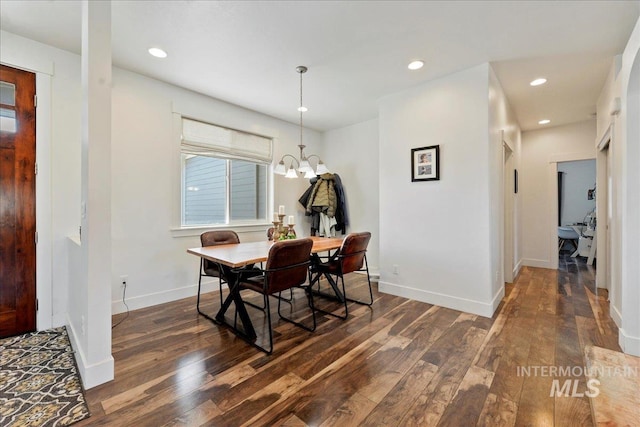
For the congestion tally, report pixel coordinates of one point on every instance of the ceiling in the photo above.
(246, 52)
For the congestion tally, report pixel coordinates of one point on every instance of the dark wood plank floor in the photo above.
(399, 362)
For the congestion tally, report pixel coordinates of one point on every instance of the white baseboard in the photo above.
(540, 263)
(374, 275)
(148, 300)
(91, 375)
(59, 320)
(448, 301)
(615, 315)
(495, 302)
(516, 270)
(155, 298)
(630, 345)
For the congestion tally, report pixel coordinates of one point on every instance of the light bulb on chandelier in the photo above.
(302, 162)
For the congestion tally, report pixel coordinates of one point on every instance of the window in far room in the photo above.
(224, 175)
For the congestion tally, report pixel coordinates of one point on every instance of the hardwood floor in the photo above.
(399, 362)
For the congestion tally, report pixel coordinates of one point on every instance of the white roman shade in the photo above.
(204, 139)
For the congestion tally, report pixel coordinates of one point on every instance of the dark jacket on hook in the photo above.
(325, 194)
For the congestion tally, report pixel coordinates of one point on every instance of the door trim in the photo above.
(44, 248)
(552, 185)
(604, 271)
(508, 241)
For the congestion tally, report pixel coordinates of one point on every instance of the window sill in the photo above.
(189, 231)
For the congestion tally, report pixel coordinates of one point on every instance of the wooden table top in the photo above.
(240, 254)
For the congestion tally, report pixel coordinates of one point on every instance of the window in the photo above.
(224, 175)
(8, 107)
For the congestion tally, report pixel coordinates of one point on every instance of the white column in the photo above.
(95, 322)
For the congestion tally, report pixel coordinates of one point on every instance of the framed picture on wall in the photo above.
(425, 163)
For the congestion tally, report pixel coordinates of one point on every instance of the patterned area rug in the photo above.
(39, 382)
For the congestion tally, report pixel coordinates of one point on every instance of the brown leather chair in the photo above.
(352, 256)
(270, 232)
(213, 269)
(287, 267)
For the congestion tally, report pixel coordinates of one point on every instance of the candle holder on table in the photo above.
(281, 231)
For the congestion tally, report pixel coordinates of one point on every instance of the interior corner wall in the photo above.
(146, 167)
(540, 150)
(142, 160)
(352, 153)
(623, 83)
(435, 235)
(605, 123)
(631, 238)
(505, 231)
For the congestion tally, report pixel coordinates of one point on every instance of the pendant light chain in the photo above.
(301, 70)
(302, 162)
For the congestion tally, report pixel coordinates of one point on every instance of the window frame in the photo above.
(240, 226)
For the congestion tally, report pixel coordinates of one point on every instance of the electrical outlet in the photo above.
(395, 268)
(124, 280)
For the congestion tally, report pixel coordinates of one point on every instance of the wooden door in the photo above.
(17, 202)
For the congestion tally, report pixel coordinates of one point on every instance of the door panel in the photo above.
(17, 202)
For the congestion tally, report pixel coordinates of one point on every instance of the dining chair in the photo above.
(567, 234)
(351, 257)
(213, 269)
(270, 232)
(287, 267)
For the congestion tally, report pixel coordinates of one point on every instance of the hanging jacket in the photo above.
(303, 200)
(342, 219)
(314, 203)
(323, 196)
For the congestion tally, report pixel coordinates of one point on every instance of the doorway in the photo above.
(577, 208)
(605, 211)
(17, 202)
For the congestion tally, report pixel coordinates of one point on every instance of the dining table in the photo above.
(234, 259)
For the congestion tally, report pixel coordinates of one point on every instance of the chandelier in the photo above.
(303, 164)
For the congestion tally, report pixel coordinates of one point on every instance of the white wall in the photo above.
(505, 204)
(541, 151)
(63, 140)
(625, 151)
(352, 153)
(579, 176)
(145, 175)
(146, 183)
(437, 233)
(605, 159)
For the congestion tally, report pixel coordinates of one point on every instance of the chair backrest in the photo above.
(219, 237)
(213, 238)
(287, 264)
(353, 250)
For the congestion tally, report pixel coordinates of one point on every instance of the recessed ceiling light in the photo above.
(538, 82)
(415, 65)
(157, 52)
(544, 122)
(303, 109)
